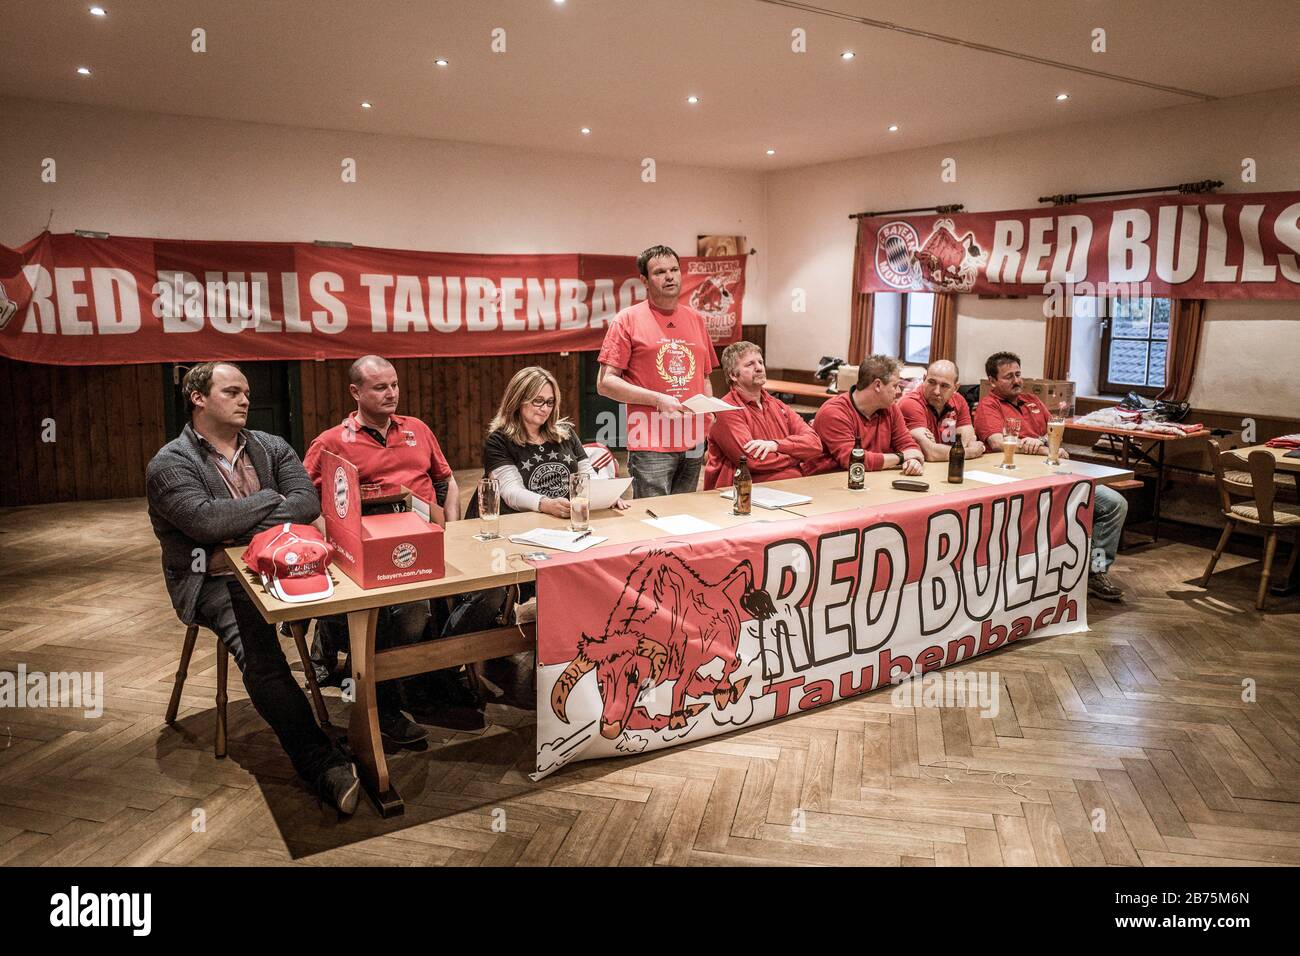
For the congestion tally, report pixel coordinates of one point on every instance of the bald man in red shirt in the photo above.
(774, 440)
(390, 451)
(867, 415)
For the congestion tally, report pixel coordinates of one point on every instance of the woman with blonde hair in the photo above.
(530, 450)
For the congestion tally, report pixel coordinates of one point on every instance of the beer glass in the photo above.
(1010, 442)
(489, 510)
(579, 502)
(1056, 432)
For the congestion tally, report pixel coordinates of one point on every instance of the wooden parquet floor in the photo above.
(1130, 745)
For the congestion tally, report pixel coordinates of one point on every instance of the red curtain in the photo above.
(943, 336)
(1056, 352)
(1186, 320)
(862, 310)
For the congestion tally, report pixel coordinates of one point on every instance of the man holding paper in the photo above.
(765, 430)
(656, 354)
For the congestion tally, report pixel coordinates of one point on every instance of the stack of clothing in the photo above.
(1127, 420)
(1284, 441)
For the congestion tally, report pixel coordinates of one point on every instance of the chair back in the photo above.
(1231, 475)
(1262, 465)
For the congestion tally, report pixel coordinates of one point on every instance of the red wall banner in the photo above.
(640, 648)
(1241, 246)
(72, 300)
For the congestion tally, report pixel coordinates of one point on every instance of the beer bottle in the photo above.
(956, 461)
(744, 488)
(857, 467)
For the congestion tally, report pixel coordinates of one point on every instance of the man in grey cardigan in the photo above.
(218, 484)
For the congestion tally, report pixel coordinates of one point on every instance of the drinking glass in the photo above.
(1056, 432)
(489, 509)
(1010, 442)
(579, 502)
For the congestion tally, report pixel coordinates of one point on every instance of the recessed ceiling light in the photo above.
(98, 12)
(365, 105)
(771, 152)
(440, 62)
(692, 100)
(84, 70)
(1062, 96)
(847, 55)
(559, 3)
(893, 129)
(586, 131)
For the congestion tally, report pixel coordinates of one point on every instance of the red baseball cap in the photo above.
(293, 561)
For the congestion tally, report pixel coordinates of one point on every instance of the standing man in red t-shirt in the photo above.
(866, 415)
(390, 451)
(766, 430)
(936, 414)
(656, 354)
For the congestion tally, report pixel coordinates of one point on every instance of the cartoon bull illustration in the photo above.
(667, 625)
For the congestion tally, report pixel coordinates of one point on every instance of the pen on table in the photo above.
(581, 536)
(651, 513)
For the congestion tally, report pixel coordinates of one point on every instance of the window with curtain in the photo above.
(1134, 345)
(916, 328)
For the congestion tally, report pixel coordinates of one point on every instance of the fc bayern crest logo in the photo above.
(340, 492)
(895, 244)
(404, 555)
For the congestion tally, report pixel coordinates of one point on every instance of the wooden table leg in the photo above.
(363, 726)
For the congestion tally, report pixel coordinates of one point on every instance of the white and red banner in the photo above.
(72, 300)
(639, 648)
(1242, 246)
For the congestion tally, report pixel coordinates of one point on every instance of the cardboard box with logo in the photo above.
(1052, 391)
(380, 550)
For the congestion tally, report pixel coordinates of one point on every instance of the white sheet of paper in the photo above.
(990, 478)
(606, 491)
(702, 404)
(558, 539)
(680, 524)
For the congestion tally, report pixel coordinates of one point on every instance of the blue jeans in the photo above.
(656, 473)
(1108, 514)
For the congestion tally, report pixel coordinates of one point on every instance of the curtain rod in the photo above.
(955, 207)
(1204, 186)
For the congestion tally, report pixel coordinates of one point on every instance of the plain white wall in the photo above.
(142, 174)
(812, 237)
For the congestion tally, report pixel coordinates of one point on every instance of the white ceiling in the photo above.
(625, 67)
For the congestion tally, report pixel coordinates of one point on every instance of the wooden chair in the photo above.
(299, 631)
(1253, 480)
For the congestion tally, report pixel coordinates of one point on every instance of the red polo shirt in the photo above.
(918, 413)
(838, 423)
(795, 441)
(410, 455)
(992, 411)
(668, 352)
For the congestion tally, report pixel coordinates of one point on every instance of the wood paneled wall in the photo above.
(456, 397)
(107, 423)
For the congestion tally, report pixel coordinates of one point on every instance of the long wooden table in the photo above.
(474, 565)
(1130, 446)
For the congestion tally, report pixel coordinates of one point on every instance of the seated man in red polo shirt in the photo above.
(766, 431)
(390, 451)
(867, 416)
(1008, 400)
(937, 415)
